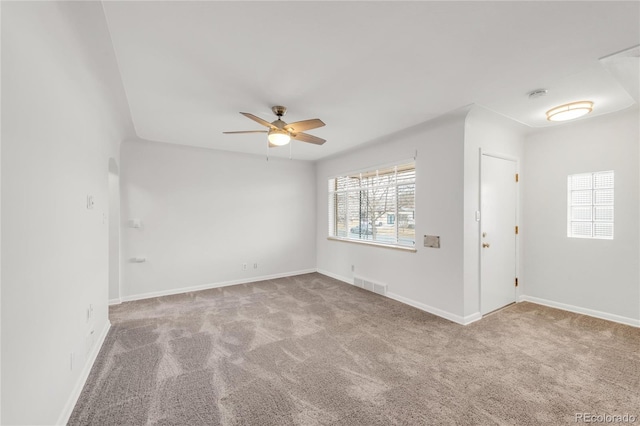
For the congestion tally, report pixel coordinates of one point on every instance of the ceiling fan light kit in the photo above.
(570, 111)
(280, 133)
(278, 137)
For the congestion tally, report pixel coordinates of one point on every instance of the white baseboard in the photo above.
(214, 285)
(435, 311)
(335, 276)
(579, 310)
(472, 318)
(84, 375)
(115, 301)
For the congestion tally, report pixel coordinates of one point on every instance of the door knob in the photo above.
(485, 245)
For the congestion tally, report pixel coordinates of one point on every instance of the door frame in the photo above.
(114, 228)
(516, 160)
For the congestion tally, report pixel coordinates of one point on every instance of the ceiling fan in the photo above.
(281, 133)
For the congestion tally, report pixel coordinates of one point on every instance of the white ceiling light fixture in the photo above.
(278, 137)
(570, 111)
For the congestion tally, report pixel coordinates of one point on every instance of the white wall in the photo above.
(0, 235)
(63, 115)
(495, 134)
(600, 277)
(205, 212)
(430, 278)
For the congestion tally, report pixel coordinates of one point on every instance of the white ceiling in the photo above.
(366, 69)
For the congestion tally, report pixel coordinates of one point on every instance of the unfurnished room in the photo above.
(319, 213)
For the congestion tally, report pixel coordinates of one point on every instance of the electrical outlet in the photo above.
(255, 265)
(134, 223)
(353, 268)
(90, 202)
(244, 266)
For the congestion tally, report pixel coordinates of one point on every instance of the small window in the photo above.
(374, 206)
(590, 205)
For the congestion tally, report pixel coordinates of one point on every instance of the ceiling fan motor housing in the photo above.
(279, 123)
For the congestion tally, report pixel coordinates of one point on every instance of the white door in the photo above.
(498, 197)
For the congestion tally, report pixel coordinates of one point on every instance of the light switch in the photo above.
(432, 241)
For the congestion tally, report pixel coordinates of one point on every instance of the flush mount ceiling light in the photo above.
(570, 111)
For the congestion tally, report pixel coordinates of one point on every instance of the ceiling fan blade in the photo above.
(301, 126)
(304, 137)
(258, 120)
(246, 131)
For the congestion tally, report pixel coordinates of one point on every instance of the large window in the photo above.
(375, 206)
(590, 205)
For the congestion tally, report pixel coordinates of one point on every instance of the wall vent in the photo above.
(380, 288)
(370, 285)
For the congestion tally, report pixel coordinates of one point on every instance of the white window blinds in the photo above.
(590, 205)
(375, 206)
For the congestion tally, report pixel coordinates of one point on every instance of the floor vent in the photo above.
(370, 285)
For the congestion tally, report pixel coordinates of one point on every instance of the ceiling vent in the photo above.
(537, 93)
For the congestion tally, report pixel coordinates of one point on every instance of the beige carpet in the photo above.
(310, 350)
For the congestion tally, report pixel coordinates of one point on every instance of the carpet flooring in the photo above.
(311, 350)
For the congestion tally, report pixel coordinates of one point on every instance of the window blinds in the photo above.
(375, 205)
(590, 205)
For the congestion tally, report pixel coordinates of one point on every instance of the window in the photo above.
(590, 200)
(376, 206)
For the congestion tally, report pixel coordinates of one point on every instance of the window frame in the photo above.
(333, 206)
(593, 205)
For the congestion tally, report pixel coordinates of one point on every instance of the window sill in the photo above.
(371, 243)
